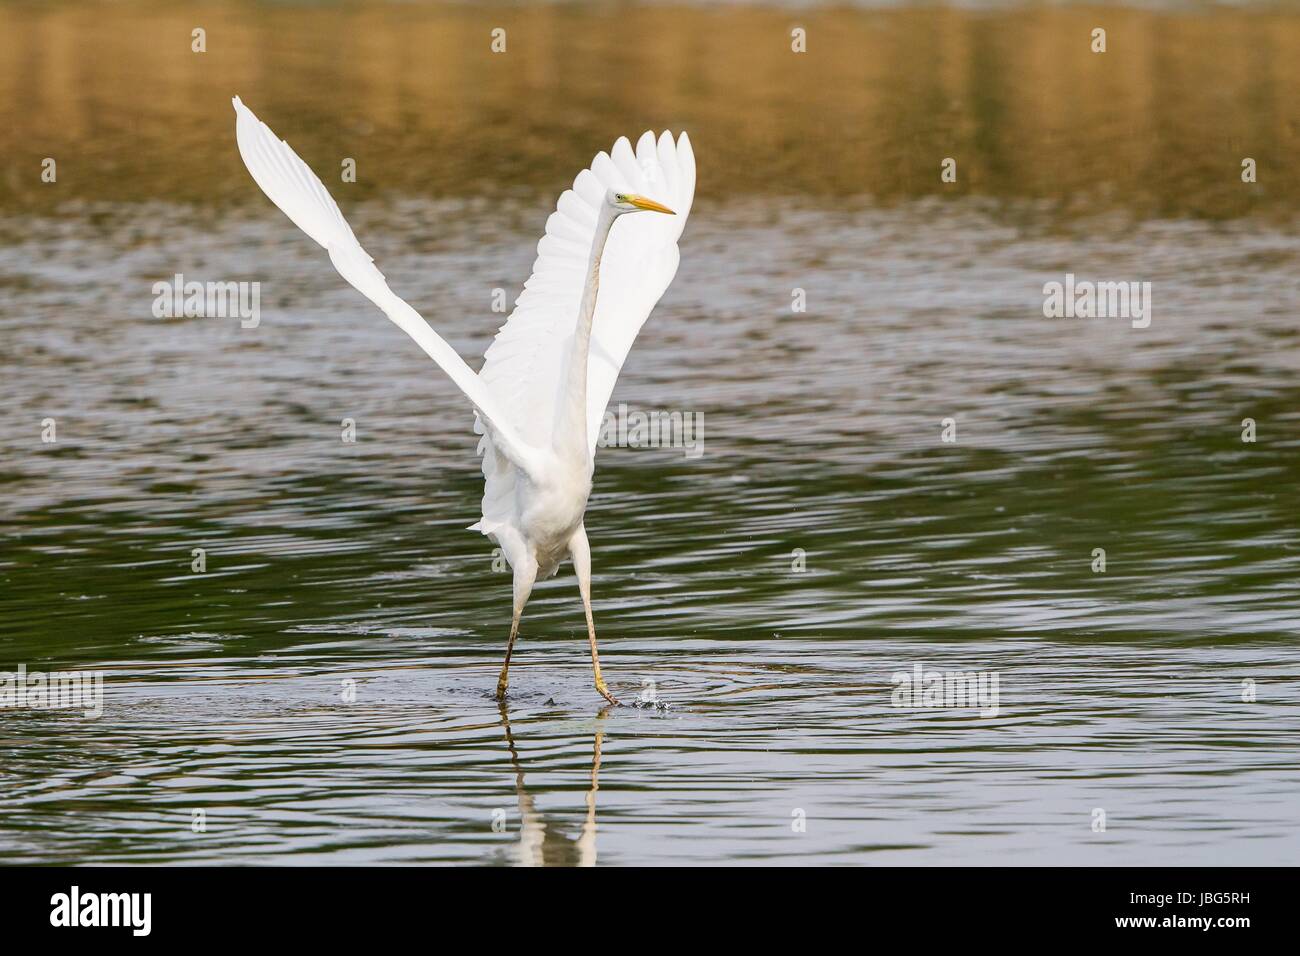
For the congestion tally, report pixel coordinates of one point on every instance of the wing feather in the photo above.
(625, 160)
(524, 365)
(291, 185)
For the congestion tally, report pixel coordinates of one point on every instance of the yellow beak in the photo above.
(649, 204)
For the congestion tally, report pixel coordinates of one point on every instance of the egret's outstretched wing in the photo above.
(291, 185)
(524, 367)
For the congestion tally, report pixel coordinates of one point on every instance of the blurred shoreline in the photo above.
(1155, 127)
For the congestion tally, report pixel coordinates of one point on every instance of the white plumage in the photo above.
(548, 376)
(291, 185)
(524, 366)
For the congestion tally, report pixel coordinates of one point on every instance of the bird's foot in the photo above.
(604, 692)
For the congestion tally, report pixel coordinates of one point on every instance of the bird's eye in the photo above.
(619, 197)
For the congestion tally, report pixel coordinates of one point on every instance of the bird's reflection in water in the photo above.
(547, 844)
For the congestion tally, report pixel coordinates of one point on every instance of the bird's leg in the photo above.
(580, 551)
(504, 680)
(525, 575)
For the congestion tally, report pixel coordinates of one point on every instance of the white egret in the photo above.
(547, 378)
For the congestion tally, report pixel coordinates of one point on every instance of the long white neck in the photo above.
(570, 436)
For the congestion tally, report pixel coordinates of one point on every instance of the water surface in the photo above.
(768, 591)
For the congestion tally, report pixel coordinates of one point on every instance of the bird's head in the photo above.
(631, 202)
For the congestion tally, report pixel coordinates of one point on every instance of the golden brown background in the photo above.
(1157, 125)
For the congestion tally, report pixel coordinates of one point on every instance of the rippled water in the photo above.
(329, 562)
